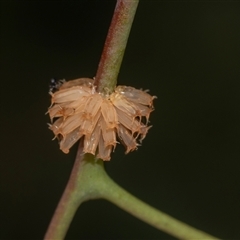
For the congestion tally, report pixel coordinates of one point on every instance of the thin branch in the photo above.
(89, 180)
(78, 190)
(67, 205)
(120, 197)
(115, 44)
(79, 187)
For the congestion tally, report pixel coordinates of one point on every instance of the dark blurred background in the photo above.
(186, 53)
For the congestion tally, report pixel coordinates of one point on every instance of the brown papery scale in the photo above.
(77, 111)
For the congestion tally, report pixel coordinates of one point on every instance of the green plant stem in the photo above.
(115, 44)
(78, 191)
(89, 180)
(150, 215)
(74, 194)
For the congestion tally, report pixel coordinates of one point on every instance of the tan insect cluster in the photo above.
(77, 110)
